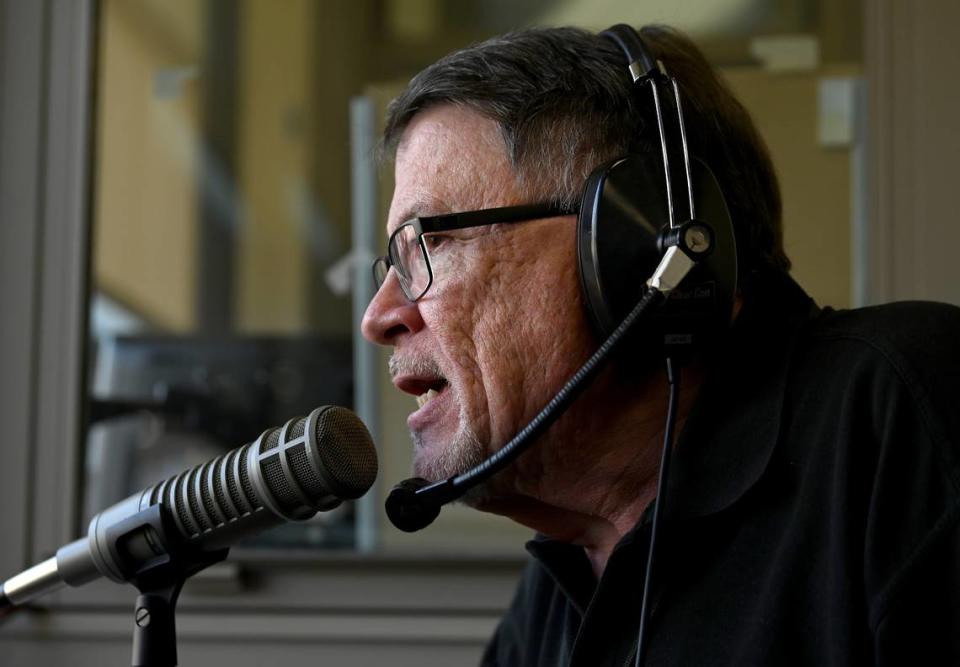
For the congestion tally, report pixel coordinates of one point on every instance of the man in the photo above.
(811, 515)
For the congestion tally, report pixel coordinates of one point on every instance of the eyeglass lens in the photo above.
(381, 266)
(408, 259)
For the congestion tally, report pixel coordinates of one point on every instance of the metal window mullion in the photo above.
(364, 230)
(63, 177)
(22, 27)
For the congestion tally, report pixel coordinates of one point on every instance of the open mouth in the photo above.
(424, 386)
(432, 392)
(422, 378)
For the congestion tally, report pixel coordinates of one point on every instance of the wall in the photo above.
(815, 181)
(914, 147)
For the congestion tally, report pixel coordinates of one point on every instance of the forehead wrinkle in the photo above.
(451, 159)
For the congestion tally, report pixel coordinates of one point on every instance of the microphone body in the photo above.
(290, 473)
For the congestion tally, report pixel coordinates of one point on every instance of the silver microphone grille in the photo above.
(311, 463)
(346, 451)
(315, 462)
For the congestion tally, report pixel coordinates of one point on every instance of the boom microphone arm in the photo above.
(415, 503)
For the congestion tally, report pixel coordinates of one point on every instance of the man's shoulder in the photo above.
(894, 360)
(918, 339)
(898, 323)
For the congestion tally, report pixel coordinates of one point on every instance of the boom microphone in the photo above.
(415, 503)
(290, 473)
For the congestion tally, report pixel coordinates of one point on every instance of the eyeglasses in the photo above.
(408, 254)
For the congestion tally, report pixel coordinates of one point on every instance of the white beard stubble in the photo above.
(464, 452)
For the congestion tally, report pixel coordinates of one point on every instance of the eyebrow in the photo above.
(420, 208)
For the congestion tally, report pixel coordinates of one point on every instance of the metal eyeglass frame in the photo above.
(452, 221)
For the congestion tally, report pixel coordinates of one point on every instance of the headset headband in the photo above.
(645, 69)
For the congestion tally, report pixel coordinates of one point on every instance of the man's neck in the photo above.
(594, 490)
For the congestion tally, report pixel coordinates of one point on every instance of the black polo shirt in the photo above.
(812, 510)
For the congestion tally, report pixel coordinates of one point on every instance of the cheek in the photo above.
(453, 311)
(558, 334)
(509, 320)
(533, 333)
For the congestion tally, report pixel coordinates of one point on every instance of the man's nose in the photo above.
(390, 314)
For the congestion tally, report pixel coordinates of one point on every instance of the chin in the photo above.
(434, 462)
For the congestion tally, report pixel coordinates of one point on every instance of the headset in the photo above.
(627, 217)
(629, 203)
(647, 221)
(654, 242)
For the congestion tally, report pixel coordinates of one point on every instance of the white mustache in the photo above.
(418, 366)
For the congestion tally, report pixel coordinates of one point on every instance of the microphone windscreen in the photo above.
(408, 511)
(346, 451)
(309, 464)
(315, 462)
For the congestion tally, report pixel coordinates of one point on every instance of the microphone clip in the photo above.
(157, 562)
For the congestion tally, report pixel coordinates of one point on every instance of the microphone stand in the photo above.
(159, 576)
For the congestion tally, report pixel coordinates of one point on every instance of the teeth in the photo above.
(422, 399)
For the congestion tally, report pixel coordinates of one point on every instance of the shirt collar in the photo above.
(733, 427)
(568, 566)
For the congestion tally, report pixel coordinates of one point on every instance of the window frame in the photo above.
(47, 93)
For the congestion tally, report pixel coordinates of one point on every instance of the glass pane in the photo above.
(221, 226)
(221, 300)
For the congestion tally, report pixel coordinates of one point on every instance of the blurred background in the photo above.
(189, 203)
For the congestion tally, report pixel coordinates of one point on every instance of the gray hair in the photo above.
(565, 105)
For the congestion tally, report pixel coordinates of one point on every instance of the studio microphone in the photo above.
(290, 473)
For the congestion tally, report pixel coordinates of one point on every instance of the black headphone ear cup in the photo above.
(621, 213)
(624, 208)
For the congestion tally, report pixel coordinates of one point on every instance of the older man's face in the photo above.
(502, 326)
